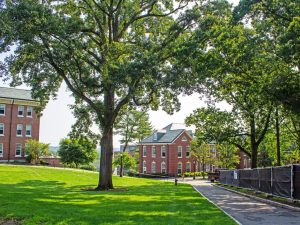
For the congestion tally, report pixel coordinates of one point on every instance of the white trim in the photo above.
(161, 151)
(4, 109)
(27, 111)
(179, 157)
(2, 135)
(145, 151)
(154, 143)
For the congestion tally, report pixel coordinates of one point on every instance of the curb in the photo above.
(273, 203)
(230, 216)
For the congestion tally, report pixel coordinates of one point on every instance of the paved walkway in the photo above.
(245, 210)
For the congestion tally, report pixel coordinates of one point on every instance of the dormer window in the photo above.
(155, 136)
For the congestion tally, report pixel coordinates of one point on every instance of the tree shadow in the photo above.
(54, 202)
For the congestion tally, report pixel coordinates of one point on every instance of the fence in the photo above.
(281, 181)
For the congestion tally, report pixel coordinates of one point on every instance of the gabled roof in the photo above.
(167, 135)
(13, 93)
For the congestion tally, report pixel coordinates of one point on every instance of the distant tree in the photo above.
(35, 149)
(202, 152)
(77, 151)
(125, 160)
(132, 125)
(227, 156)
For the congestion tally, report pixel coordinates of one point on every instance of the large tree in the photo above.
(278, 22)
(107, 52)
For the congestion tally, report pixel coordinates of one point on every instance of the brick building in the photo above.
(167, 151)
(18, 123)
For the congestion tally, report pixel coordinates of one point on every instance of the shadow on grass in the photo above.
(53, 202)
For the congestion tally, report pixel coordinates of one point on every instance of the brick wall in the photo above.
(171, 158)
(10, 139)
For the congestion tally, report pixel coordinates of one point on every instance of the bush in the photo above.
(88, 167)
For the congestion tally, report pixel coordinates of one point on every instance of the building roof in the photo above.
(13, 93)
(168, 134)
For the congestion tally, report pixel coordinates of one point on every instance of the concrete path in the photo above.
(245, 210)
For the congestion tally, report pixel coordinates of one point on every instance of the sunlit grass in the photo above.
(38, 195)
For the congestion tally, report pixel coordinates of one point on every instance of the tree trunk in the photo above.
(277, 136)
(254, 145)
(121, 166)
(105, 176)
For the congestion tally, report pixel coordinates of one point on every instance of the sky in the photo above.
(57, 117)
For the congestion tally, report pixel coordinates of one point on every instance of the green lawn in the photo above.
(38, 195)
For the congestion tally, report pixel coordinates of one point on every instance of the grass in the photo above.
(261, 195)
(40, 195)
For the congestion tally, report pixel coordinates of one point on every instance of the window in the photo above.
(188, 151)
(155, 136)
(144, 167)
(163, 151)
(20, 111)
(28, 130)
(179, 168)
(1, 150)
(1, 129)
(188, 167)
(18, 149)
(163, 167)
(2, 109)
(179, 150)
(29, 111)
(183, 138)
(153, 152)
(144, 151)
(214, 151)
(153, 167)
(19, 130)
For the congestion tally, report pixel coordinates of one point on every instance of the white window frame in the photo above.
(19, 110)
(153, 152)
(4, 109)
(179, 149)
(31, 111)
(20, 126)
(18, 145)
(184, 138)
(144, 167)
(163, 149)
(180, 168)
(144, 151)
(153, 170)
(1, 149)
(2, 125)
(186, 166)
(163, 167)
(187, 151)
(26, 129)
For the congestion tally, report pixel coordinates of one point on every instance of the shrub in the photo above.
(88, 167)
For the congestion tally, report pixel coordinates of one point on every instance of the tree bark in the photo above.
(105, 176)
(121, 166)
(254, 145)
(277, 136)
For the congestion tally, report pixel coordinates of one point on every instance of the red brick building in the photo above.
(167, 151)
(18, 123)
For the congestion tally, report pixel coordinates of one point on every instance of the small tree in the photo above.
(201, 152)
(35, 149)
(227, 156)
(126, 160)
(77, 151)
(132, 125)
